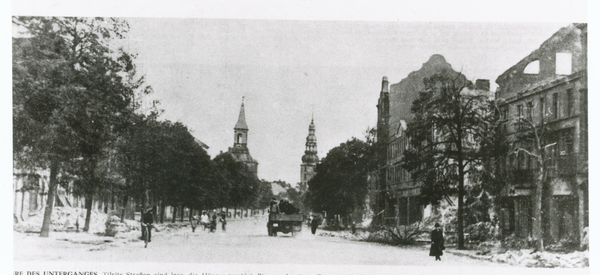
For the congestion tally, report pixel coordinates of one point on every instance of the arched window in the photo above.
(532, 68)
(239, 138)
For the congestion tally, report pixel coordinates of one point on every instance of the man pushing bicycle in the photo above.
(147, 222)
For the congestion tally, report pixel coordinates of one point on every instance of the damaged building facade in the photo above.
(394, 195)
(549, 89)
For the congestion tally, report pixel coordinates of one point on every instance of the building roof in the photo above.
(202, 144)
(565, 38)
(241, 123)
(403, 93)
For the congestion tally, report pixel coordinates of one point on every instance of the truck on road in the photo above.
(285, 223)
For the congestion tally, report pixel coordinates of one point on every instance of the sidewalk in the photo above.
(527, 257)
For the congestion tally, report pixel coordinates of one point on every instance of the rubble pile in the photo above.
(359, 236)
(114, 226)
(528, 258)
(63, 219)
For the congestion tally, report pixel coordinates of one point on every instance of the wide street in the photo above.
(245, 242)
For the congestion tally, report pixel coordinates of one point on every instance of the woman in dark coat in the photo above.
(437, 242)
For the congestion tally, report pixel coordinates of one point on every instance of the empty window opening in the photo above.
(555, 106)
(532, 68)
(563, 63)
(542, 108)
(570, 109)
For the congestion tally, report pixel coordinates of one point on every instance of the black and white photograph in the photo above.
(200, 138)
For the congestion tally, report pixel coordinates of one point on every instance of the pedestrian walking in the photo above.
(437, 242)
(213, 222)
(223, 220)
(147, 221)
(314, 223)
(204, 220)
(273, 211)
(194, 221)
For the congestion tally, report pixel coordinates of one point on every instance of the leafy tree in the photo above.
(265, 194)
(494, 174)
(71, 95)
(41, 139)
(340, 185)
(445, 136)
(241, 185)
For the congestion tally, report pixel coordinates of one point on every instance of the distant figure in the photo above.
(213, 222)
(147, 221)
(204, 220)
(194, 220)
(314, 223)
(273, 211)
(437, 242)
(223, 219)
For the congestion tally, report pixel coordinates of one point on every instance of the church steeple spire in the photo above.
(240, 129)
(241, 123)
(310, 158)
(240, 150)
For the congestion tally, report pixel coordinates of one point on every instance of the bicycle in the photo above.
(146, 233)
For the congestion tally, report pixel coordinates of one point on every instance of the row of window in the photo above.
(527, 110)
(560, 146)
(397, 148)
(397, 175)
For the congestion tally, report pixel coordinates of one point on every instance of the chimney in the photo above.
(384, 85)
(482, 84)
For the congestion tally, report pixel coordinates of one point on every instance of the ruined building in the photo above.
(549, 89)
(240, 151)
(310, 158)
(393, 192)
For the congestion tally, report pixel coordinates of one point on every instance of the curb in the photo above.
(465, 254)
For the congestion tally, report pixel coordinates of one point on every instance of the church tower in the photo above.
(310, 158)
(240, 151)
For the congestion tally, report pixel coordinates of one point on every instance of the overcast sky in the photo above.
(201, 68)
(288, 58)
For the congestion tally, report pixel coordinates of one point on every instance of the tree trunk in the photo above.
(43, 191)
(105, 206)
(22, 202)
(461, 185)
(174, 214)
(182, 209)
(88, 207)
(112, 199)
(536, 224)
(162, 212)
(45, 232)
(580, 214)
(125, 199)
